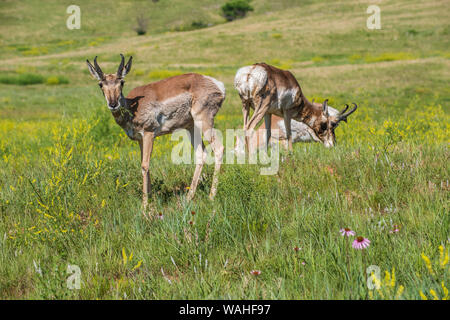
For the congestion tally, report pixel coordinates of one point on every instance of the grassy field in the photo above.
(70, 181)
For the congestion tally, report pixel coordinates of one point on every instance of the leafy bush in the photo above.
(35, 51)
(193, 26)
(142, 25)
(199, 24)
(390, 56)
(162, 74)
(56, 80)
(21, 79)
(236, 9)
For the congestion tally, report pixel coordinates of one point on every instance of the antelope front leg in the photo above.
(197, 143)
(287, 123)
(245, 113)
(268, 124)
(146, 152)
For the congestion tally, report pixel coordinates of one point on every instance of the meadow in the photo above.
(70, 179)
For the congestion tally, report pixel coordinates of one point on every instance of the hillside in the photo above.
(70, 179)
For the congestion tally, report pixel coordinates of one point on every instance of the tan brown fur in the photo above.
(273, 91)
(189, 101)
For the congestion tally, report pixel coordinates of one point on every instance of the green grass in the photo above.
(70, 181)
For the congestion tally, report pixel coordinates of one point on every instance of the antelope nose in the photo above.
(113, 105)
(328, 144)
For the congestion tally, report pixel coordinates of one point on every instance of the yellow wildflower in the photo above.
(399, 291)
(422, 295)
(433, 293)
(428, 263)
(443, 257)
(445, 297)
(124, 257)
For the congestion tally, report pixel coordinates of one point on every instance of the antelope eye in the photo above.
(100, 85)
(122, 82)
(323, 126)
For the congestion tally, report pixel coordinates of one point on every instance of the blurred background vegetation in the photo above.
(70, 180)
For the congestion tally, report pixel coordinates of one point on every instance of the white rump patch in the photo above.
(218, 84)
(250, 80)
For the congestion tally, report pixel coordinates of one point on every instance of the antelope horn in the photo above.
(97, 68)
(120, 69)
(343, 111)
(343, 116)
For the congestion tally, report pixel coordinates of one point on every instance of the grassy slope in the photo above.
(371, 180)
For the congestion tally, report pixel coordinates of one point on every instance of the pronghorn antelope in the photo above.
(270, 90)
(300, 133)
(189, 101)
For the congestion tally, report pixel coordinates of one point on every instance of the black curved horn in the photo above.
(97, 68)
(345, 109)
(343, 116)
(120, 69)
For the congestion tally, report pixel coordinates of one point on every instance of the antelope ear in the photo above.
(92, 70)
(127, 67)
(325, 107)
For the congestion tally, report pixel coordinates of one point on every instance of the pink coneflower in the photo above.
(347, 232)
(296, 249)
(360, 243)
(396, 229)
(255, 272)
(160, 216)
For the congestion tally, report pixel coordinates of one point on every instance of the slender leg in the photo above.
(246, 113)
(217, 147)
(146, 152)
(287, 123)
(197, 143)
(268, 124)
(261, 108)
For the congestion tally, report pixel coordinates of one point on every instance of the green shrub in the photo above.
(35, 51)
(277, 35)
(56, 80)
(24, 79)
(389, 56)
(193, 26)
(21, 79)
(162, 74)
(236, 9)
(142, 25)
(198, 24)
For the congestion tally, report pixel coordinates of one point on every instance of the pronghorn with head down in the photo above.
(300, 133)
(270, 90)
(189, 101)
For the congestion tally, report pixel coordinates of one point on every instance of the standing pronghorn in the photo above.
(189, 101)
(270, 90)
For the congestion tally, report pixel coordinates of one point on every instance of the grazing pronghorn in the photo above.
(189, 101)
(270, 90)
(300, 133)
